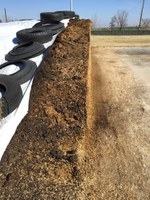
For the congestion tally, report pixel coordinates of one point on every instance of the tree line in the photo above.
(120, 20)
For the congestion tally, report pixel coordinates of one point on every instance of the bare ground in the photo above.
(117, 145)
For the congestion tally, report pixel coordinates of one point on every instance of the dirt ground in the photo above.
(118, 144)
(138, 60)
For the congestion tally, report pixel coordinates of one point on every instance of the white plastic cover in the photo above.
(9, 124)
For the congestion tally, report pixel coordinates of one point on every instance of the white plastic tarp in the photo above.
(9, 124)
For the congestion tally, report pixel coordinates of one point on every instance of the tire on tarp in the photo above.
(34, 35)
(26, 72)
(25, 50)
(11, 94)
(67, 14)
(54, 29)
(77, 17)
(52, 25)
(47, 17)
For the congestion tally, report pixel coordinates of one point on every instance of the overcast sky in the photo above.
(103, 9)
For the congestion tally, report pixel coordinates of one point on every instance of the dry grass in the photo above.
(121, 41)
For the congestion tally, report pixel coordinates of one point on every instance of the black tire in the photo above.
(12, 95)
(26, 72)
(25, 50)
(47, 17)
(77, 17)
(34, 35)
(52, 25)
(67, 14)
(54, 28)
(58, 30)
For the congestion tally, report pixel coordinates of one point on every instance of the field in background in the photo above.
(121, 41)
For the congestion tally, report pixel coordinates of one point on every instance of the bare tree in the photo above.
(95, 22)
(122, 18)
(146, 23)
(113, 22)
(119, 20)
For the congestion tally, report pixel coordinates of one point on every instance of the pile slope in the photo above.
(41, 161)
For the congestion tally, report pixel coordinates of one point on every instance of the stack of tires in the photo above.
(30, 44)
(49, 25)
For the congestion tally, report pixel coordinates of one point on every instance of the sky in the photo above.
(102, 10)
